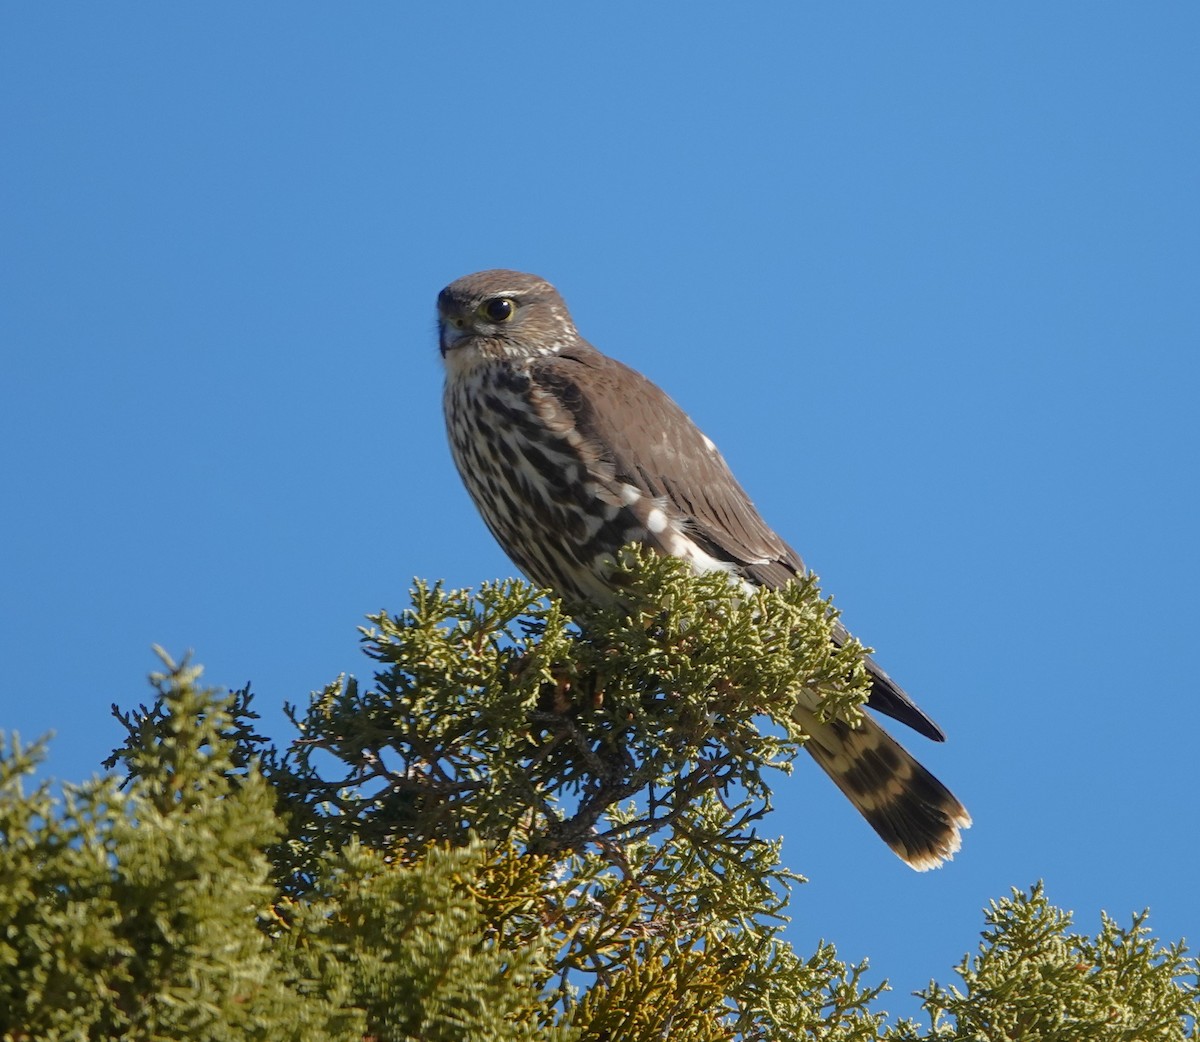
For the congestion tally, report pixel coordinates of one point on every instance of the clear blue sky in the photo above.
(928, 275)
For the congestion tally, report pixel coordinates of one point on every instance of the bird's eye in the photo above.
(498, 309)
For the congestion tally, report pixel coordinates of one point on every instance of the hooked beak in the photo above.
(452, 331)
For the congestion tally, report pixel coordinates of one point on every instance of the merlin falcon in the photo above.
(569, 455)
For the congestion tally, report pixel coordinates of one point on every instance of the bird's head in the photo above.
(499, 314)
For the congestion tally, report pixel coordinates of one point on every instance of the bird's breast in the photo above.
(540, 490)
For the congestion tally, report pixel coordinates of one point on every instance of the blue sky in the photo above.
(928, 275)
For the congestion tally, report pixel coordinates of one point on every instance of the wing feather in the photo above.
(653, 445)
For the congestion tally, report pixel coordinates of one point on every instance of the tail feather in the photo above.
(913, 812)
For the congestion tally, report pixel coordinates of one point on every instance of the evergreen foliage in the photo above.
(1035, 979)
(527, 827)
(134, 914)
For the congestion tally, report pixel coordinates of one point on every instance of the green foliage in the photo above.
(1034, 979)
(133, 915)
(631, 752)
(494, 714)
(413, 942)
(526, 828)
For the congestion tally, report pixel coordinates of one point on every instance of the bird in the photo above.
(570, 454)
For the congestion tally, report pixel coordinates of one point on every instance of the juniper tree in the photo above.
(523, 826)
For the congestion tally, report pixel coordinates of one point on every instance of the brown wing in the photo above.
(654, 446)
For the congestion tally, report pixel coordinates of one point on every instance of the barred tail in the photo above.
(913, 812)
